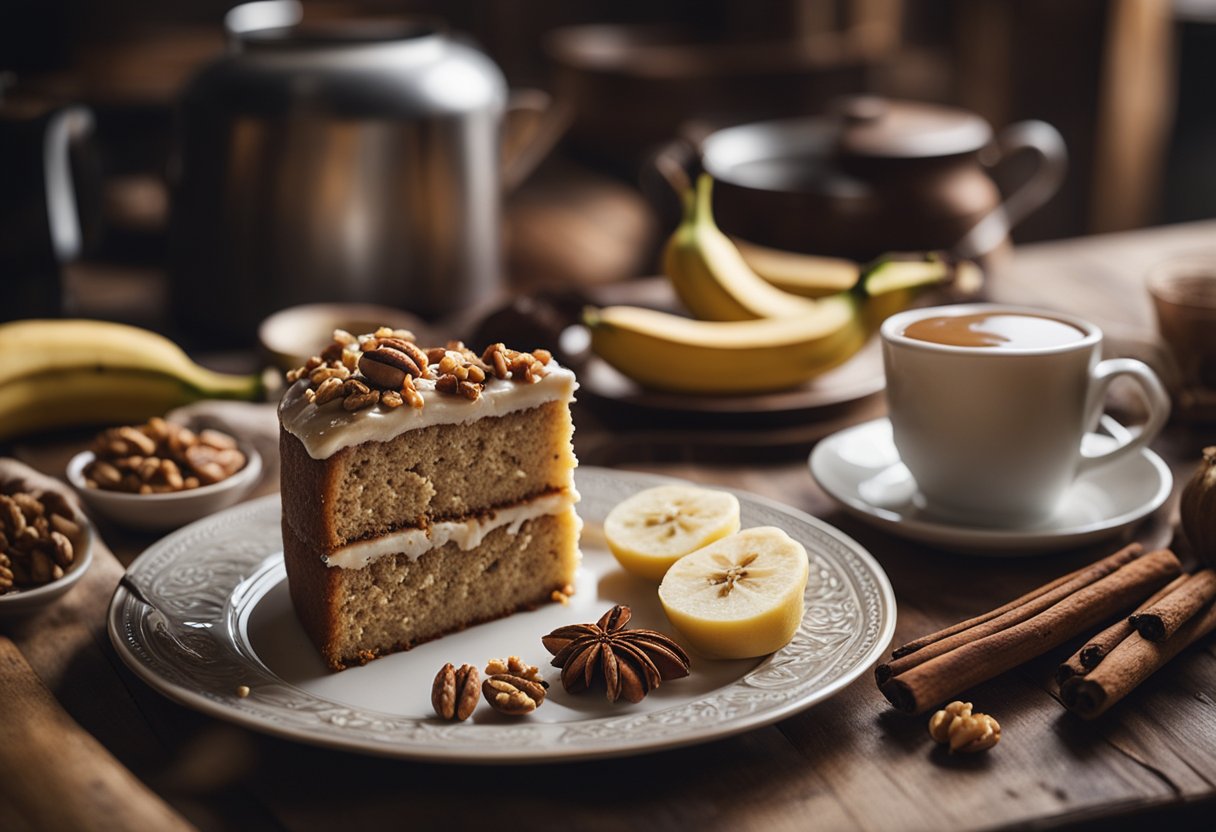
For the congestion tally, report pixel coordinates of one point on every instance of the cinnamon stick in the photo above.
(1015, 612)
(1134, 660)
(1070, 667)
(1161, 620)
(938, 679)
(1097, 570)
(1094, 650)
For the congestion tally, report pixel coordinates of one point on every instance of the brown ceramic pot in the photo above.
(875, 176)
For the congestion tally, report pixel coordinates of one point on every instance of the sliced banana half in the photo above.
(654, 528)
(740, 596)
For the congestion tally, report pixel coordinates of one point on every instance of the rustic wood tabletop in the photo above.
(75, 713)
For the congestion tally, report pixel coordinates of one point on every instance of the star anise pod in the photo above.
(631, 662)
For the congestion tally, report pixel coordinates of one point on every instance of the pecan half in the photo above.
(387, 367)
(454, 692)
(412, 350)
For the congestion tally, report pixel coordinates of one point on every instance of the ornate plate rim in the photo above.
(140, 641)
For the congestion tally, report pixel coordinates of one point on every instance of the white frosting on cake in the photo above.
(327, 429)
(467, 534)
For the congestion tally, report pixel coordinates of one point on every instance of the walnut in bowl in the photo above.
(45, 547)
(160, 476)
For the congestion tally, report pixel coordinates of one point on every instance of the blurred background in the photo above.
(599, 89)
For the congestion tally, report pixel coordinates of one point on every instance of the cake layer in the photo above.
(436, 473)
(398, 601)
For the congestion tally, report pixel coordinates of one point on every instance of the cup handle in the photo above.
(1130, 441)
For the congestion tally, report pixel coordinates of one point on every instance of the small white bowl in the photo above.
(26, 601)
(158, 512)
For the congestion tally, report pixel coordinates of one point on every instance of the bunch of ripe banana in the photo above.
(59, 373)
(754, 334)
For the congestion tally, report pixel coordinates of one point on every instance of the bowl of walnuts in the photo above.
(161, 475)
(46, 546)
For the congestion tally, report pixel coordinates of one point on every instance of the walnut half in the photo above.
(513, 695)
(964, 731)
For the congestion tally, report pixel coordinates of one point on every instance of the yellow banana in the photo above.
(668, 352)
(716, 282)
(751, 337)
(709, 274)
(809, 275)
(57, 373)
(814, 276)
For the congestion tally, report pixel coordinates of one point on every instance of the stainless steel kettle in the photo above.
(353, 160)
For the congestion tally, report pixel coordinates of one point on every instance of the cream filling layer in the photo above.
(327, 429)
(467, 534)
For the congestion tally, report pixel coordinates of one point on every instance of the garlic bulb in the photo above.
(1198, 509)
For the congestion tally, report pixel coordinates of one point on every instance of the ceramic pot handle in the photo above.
(1047, 144)
(533, 126)
(1157, 400)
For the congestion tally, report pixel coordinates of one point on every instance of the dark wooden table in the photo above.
(848, 763)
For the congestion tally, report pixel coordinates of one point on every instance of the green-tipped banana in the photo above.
(59, 373)
(667, 352)
(716, 281)
(751, 336)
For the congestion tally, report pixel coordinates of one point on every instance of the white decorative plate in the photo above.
(224, 620)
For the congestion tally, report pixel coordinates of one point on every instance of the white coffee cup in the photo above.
(993, 434)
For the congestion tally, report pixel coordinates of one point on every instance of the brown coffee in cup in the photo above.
(990, 406)
(999, 330)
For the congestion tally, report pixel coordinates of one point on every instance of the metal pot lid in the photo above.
(874, 127)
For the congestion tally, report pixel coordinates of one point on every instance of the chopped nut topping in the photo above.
(331, 353)
(411, 394)
(323, 373)
(330, 389)
(359, 400)
(367, 370)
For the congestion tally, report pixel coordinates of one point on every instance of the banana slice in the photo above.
(654, 528)
(740, 596)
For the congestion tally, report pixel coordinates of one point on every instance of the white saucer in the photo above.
(859, 467)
